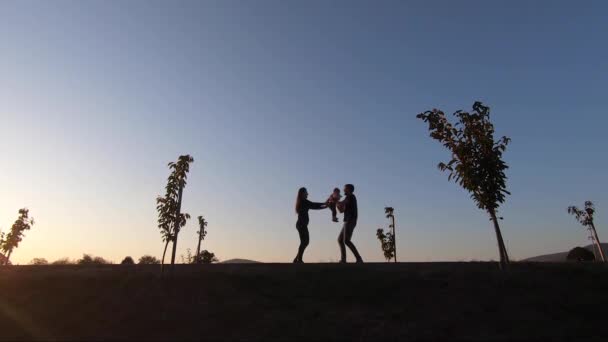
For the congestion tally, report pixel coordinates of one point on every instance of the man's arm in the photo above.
(341, 205)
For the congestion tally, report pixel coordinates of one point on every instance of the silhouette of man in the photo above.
(349, 208)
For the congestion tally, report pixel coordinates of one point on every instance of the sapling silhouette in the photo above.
(170, 217)
(202, 223)
(16, 234)
(476, 162)
(585, 217)
(387, 241)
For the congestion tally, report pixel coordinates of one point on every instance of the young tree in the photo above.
(170, 217)
(202, 223)
(476, 162)
(585, 217)
(389, 211)
(15, 236)
(387, 241)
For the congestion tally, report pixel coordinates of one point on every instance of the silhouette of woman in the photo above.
(302, 207)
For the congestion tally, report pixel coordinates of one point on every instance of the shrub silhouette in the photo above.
(127, 261)
(63, 261)
(90, 260)
(206, 257)
(148, 260)
(580, 254)
(39, 261)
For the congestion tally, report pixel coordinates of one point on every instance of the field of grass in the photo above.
(306, 302)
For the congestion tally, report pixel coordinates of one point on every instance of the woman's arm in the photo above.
(316, 206)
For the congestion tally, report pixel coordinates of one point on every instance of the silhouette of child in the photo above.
(332, 201)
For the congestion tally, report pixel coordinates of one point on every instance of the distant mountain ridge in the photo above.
(559, 257)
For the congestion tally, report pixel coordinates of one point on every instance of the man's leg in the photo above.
(349, 243)
(341, 243)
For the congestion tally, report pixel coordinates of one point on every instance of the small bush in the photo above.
(580, 254)
(127, 261)
(87, 259)
(39, 261)
(206, 257)
(62, 261)
(148, 260)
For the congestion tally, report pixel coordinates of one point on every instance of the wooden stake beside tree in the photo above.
(476, 162)
(585, 217)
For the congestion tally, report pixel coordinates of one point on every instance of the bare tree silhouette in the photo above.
(202, 223)
(585, 217)
(476, 162)
(170, 217)
(16, 234)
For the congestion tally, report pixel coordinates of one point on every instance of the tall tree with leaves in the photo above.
(15, 235)
(202, 223)
(170, 217)
(585, 217)
(476, 162)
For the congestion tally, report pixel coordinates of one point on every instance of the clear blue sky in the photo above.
(97, 96)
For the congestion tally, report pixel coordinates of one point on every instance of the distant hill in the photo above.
(240, 261)
(559, 257)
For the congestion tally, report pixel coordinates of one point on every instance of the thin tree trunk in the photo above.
(596, 254)
(504, 257)
(177, 222)
(8, 257)
(198, 248)
(394, 237)
(162, 262)
(597, 241)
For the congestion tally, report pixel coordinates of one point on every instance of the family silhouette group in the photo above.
(348, 207)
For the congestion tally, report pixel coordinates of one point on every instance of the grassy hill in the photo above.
(304, 302)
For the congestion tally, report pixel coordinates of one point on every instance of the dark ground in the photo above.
(472, 301)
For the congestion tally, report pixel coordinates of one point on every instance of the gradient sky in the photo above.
(96, 97)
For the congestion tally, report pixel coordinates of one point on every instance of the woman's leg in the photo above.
(304, 239)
